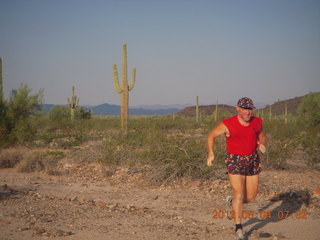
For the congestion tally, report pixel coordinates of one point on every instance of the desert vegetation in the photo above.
(163, 148)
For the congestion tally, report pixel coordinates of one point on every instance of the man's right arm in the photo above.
(217, 131)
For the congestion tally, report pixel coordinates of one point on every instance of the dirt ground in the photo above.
(90, 204)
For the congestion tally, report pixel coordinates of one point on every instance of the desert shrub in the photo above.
(17, 112)
(171, 153)
(5, 127)
(59, 113)
(23, 132)
(50, 160)
(282, 142)
(62, 113)
(309, 111)
(9, 158)
(35, 161)
(31, 162)
(83, 113)
(310, 142)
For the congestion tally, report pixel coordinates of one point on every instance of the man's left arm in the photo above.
(262, 142)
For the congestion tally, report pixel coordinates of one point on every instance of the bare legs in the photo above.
(245, 189)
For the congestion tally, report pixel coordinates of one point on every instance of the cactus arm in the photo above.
(69, 103)
(133, 79)
(116, 80)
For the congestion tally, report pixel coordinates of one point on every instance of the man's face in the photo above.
(245, 114)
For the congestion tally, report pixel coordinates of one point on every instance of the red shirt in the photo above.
(243, 139)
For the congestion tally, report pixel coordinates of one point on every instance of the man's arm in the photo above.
(262, 142)
(217, 131)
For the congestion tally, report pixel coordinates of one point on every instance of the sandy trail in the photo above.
(39, 206)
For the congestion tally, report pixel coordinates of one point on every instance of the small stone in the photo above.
(67, 233)
(73, 198)
(196, 184)
(156, 197)
(316, 193)
(101, 204)
(23, 229)
(113, 206)
(130, 207)
(4, 223)
(44, 220)
(265, 235)
(39, 231)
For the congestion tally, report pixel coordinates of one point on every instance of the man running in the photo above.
(243, 136)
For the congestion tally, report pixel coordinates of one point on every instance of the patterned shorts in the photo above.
(243, 165)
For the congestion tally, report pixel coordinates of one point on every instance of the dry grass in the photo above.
(26, 160)
(10, 157)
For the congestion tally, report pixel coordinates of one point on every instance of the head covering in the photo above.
(246, 102)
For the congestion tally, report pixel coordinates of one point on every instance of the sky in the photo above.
(217, 50)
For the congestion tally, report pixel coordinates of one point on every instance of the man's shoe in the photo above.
(240, 235)
(229, 207)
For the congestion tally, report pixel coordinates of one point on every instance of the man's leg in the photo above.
(252, 183)
(238, 184)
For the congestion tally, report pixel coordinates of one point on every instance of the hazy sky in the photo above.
(267, 50)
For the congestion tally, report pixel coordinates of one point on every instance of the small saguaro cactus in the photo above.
(270, 113)
(216, 112)
(1, 86)
(197, 109)
(73, 104)
(124, 90)
(285, 114)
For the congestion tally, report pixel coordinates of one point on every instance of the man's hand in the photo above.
(262, 147)
(210, 159)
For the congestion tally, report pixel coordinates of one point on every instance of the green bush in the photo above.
(282, 143)
(16, 115)
(83, 113)
(309, 111)
(170, 152)
(59, 113)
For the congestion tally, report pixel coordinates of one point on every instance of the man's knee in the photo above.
(238, 197)
(249, 199)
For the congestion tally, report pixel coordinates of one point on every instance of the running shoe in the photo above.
(229, 207)
(240, 234)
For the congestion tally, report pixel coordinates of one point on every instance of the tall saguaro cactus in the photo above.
(73, 103)
(1, 84)
(124, 90)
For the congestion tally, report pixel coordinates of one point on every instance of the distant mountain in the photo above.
(162, 107)
(277, 108)
(206, 110)
(47, 107)
(109, 109)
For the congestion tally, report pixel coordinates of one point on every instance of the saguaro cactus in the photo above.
(124, 90)
(270, 113)
(285, 114)
(73, 104)
(197, 109)
(1, 84)
(216, 112)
